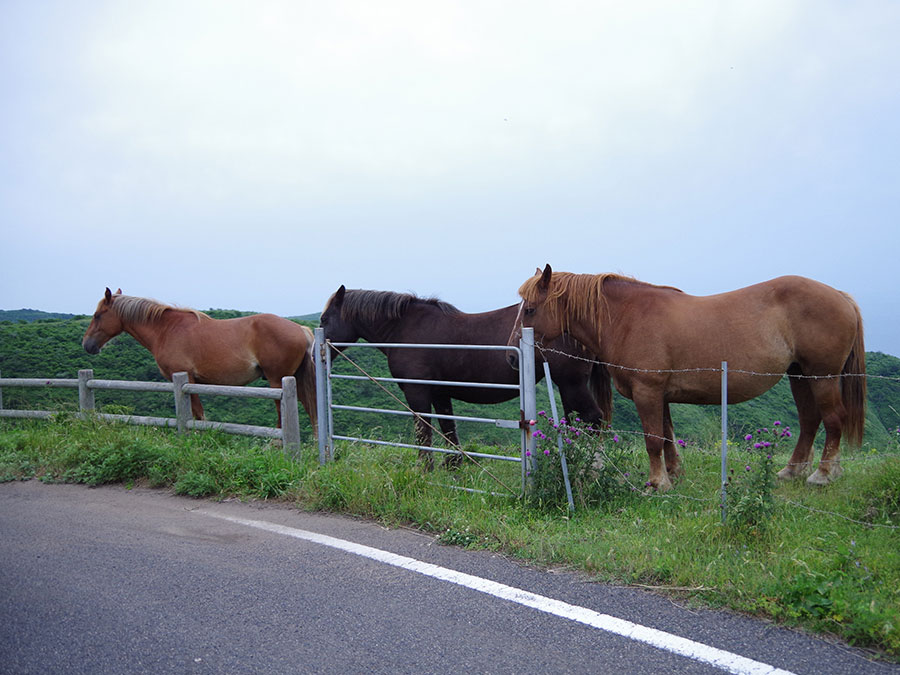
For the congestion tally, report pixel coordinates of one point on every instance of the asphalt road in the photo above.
(109, 580)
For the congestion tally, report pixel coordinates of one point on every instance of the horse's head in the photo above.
(332, 321)
(105, 325)
(535, 312)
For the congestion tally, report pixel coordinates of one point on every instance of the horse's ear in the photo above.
(339, 295)
(544, 283)
(108, 295)
(119, 292)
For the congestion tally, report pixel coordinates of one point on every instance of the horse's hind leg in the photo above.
(808, 412)
(828, 396)
(670, 450)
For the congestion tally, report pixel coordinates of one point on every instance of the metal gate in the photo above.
(525, 387)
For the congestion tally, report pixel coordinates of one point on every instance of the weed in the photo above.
(598, 463)
(751, 500)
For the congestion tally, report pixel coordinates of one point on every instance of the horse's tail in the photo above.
(853, 384)
(306, 381)
(601, 387)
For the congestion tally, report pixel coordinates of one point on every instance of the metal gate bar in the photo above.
(526, 388)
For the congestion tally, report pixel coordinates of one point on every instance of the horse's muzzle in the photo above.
(90, 346)
(512, 358)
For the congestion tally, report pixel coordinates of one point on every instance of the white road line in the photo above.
(727, 661)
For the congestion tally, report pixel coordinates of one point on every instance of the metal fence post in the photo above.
(322, 407)
(85, 394)
(724, 435)
(559, 441)
(290, 417)
(182, 402)
(529, 399)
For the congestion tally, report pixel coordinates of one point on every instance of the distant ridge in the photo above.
(308, 317)
(29, 315)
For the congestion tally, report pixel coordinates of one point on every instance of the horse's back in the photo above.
(763, 328)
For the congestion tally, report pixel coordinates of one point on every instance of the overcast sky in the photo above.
(256, 155)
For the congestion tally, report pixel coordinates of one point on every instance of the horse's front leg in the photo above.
(670, 449)
(419, 400)
(444, 406)
(275, 384)
(650, 409)
(196, 407)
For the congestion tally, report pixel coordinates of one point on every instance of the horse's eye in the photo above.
(97, 316)
(529, 311)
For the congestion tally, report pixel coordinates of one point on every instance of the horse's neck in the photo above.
(403, 329)
(387, 332)
(591, 331)
(151, 333)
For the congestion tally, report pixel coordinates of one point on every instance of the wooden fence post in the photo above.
(290, 418)
(182, 402)
(85, 394)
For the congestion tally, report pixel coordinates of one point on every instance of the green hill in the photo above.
(46, 347)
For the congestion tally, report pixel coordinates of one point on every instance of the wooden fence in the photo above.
(181, 389)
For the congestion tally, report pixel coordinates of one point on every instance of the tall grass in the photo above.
(824, 559)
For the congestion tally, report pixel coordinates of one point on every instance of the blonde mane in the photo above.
(577, 297)
(144, 310)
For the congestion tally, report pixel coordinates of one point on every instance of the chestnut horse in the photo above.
(667, 347)
(385, 316)
(211, 351)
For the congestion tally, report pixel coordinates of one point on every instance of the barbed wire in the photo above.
(710, 369)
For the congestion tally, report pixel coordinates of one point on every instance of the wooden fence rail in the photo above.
(181, 389)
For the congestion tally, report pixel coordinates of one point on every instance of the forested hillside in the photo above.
(52, 348)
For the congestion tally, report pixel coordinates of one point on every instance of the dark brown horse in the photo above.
(668, 346)
(387, 317)
(211, 351)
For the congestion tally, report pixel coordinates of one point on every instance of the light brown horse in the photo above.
(668, 346)
(211, 351)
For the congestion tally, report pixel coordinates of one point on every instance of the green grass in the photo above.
(823, 559)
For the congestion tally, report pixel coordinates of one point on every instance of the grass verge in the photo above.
(823, 559)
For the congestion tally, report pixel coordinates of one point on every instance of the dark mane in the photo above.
(365, 305)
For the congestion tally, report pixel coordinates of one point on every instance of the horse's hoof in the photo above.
(787, 473)
(663, 485)
(794, 471)
(819, 478)
(452, 462)
(677, 472)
